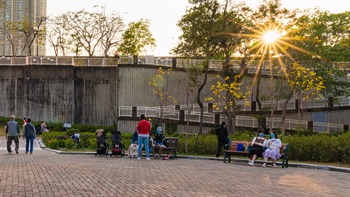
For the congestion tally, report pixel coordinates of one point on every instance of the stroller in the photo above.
(102, 145)
(118, 147)
(38, 130)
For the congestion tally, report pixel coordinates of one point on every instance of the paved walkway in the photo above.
(45, 173)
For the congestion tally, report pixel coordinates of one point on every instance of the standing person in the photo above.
(273, 149)
(12, 133)
(144, 128)
(222, 134)
(29, 134)
(24, 122)
(256, 150)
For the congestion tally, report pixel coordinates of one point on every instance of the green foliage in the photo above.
(61, 140)
(92, 128)
(318, 147)
(170, 128)
(136, 37)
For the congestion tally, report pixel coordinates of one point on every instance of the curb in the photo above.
(234, 160)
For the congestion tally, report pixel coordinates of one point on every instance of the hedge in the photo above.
(317, 148)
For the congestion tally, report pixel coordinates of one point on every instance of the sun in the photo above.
(271, 36)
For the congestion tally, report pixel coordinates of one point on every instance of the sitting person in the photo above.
(134, 137)
(132, 151)
(256, 149)
(43, 127)
(272, 151)
(76, 136)
(158, 139)
(100, 138)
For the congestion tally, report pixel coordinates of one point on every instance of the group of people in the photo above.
(13, 133)
(260, 147)
(142, 139)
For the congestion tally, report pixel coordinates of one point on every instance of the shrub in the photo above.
(69, 144)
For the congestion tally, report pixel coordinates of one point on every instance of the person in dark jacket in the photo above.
(29, 134)
(12, 134)
(222, 134)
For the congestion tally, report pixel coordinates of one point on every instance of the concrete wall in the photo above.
(93, 95)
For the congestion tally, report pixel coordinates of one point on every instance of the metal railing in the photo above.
(148, 59)
(241, 121)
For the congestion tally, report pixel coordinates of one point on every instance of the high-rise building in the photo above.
(25, 15)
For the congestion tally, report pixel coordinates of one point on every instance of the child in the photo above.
(133, 150)
(76, 136)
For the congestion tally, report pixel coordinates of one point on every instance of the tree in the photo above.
(31, 32)
(136, 37)
(13, 36)
(228, 91)
(58, 35)
(159, 84)
(198, 40)
(85, 30)
(112, 28)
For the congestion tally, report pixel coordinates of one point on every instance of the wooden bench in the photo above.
(232, 150)
(170, 144)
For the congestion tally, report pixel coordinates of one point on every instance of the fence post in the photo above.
(210, 107)
(217, 118)
(173, 62)
(330, 102)
(135, 59)
(134, 112)
(253, 106)
(296, 104)
(310, 125)
(182, 115)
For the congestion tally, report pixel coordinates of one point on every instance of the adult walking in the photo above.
(144, 128)
(222, 134)
(29, 134)
(12, 134)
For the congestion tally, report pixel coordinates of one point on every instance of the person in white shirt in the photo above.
(272, 151)
(257, 146)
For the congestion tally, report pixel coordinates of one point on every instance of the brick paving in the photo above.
(45, 173)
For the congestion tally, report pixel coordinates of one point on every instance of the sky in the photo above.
(164, 14)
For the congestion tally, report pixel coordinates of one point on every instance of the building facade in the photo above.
(25, 15)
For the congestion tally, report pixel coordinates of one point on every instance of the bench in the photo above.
(170, 144)
(232, 150)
